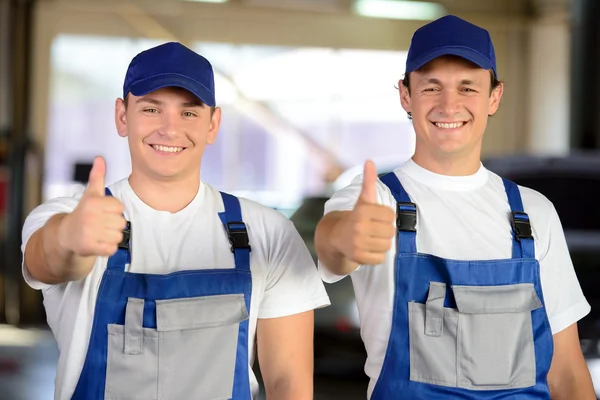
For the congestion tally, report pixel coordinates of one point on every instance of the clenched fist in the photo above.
(95, 227)
(365, 234)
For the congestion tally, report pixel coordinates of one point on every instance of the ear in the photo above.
(495, 97)
(215, 123)
(404, 97)
(121, 117)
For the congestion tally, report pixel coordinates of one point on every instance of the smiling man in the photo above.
(464, 282)
(159, 286)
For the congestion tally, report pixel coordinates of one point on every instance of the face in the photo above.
(167, 130)
(450, 102)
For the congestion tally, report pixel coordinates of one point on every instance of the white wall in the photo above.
(549, 86)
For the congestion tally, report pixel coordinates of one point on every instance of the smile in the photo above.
(449, 125)
(166, 149)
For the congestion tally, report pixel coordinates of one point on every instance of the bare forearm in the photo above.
(574, 386)
(569, 377)
(290, 389)
(49, 261)
(286, 356)
(328, 254)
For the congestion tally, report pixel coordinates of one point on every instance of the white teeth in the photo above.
(452, 125)
(167, 149)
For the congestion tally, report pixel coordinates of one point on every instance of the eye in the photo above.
(189, 114)
(150, 110)
(469, 90)
(430, 90)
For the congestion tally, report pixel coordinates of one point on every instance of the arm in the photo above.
(285, 355)
(48, 261)
(569, 377)
(64, 246)
(565, 303)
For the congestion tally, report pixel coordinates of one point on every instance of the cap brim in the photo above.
(463, 52)
(173, 80)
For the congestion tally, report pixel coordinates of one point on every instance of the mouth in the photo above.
(169, 150)
(450, 125)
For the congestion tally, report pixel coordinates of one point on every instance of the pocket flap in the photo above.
(200, 312)
(515, 298)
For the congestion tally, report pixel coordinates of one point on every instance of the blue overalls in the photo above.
(182, 335)
(465, 329)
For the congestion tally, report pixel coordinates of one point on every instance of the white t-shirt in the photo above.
(285, 280)
(464, 218)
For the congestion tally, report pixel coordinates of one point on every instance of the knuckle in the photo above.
(356, 255)
(391, 231)
(355, 244)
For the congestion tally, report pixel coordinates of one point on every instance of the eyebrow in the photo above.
(186, 104)
(436, 81)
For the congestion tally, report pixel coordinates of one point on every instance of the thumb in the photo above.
(97, 176)
(368, 193)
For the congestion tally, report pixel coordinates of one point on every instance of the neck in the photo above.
(165, 195)
(450, 165)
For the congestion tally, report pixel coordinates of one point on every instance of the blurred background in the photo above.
(308, 93)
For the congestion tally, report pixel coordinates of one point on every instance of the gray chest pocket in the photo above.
(485, 344)
(190, 355)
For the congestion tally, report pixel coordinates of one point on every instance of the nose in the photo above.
(450, 103)
(170, 124)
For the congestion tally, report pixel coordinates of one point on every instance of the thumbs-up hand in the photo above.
(365, 234)
(95, 227)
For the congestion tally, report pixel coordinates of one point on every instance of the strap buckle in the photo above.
(238, 236)
(124, 244)
(521, 225)
(406, 217)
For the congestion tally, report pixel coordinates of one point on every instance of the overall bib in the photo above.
(179, 336)
(465, 329)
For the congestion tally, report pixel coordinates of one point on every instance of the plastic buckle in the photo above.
(126, 237)
(238, 236)
(406, 220)
(521, 225)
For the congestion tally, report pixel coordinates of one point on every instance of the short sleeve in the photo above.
(292, 283)
(37, 219)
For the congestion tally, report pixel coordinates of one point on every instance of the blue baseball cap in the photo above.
(170, 65)
(451, 35)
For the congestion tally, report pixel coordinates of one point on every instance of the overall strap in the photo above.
(406, 214)
(236, 231)
(122, 257)
(523, 245)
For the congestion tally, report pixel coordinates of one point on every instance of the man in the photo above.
(158, 286)
(464, 283)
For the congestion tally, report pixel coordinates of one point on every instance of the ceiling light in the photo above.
(207, 1)
(396, 9)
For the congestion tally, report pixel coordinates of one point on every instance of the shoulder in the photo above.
(266, 218)
(534, 202)
(259, 218)
(541, 211)
(64, 204)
